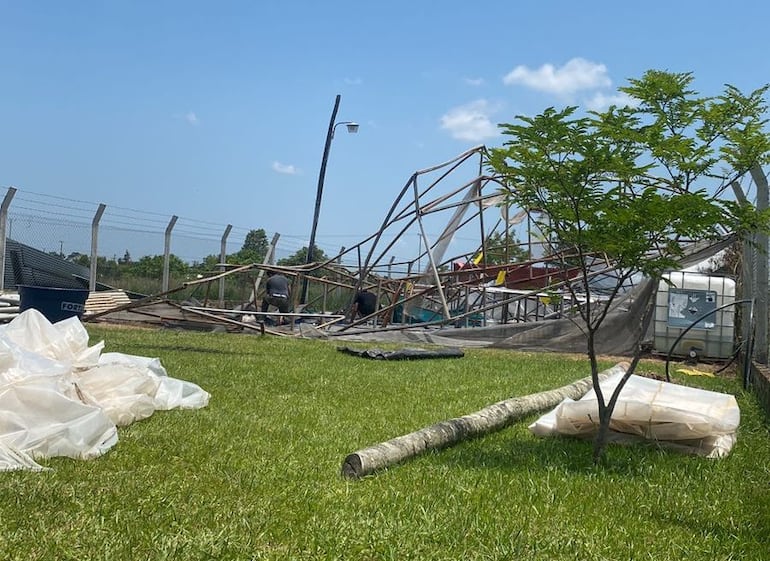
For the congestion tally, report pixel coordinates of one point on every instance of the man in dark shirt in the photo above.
(364, 304)
(276, 293)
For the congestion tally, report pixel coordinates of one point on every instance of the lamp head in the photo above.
(352, 127)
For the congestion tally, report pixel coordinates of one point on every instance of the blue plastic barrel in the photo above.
(55, 304)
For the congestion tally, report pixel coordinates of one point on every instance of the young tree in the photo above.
(634, 184)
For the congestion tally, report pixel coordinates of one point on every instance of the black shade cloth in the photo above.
(404, 354)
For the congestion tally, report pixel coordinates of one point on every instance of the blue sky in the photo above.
(217, 111)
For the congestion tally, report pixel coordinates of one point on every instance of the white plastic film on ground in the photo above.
(60, 397)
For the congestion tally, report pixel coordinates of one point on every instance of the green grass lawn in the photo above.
(255, 475)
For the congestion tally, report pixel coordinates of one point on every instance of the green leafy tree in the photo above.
(633, 184)
(254, 248)
(152, 266)
(108, 268)
(504, 248)
(208, 264)
(300, 257)
(79, 259)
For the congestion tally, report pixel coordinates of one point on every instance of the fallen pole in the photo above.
(447, 433)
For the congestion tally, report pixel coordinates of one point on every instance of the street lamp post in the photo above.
(352, 127)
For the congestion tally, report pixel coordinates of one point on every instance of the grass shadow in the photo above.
(571, 455)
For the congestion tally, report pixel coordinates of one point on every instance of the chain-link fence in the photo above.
(139, 251)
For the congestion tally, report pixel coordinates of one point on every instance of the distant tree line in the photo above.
(253, 250)
(144, 275)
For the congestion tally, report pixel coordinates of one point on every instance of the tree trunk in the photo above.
(450, 432)
(600, 441)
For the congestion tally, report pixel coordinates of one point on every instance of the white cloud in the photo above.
(474, 81)
(470, 121)
(576, 74)
(191, 118)
(601, 102)
(287, 169)
(353, 81)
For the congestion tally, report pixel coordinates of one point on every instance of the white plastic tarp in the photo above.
(688, 419)
(60, 397)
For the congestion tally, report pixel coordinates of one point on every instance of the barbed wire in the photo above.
(51, 222)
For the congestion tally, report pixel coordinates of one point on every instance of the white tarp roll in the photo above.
(688, 419)
(60, 397)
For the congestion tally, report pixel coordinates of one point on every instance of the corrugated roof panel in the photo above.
(26, 265)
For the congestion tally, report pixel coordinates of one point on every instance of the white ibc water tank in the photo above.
(685, 300)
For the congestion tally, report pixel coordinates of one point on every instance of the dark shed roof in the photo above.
(27, 265)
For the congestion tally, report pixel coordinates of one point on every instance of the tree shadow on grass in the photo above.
(571, 455)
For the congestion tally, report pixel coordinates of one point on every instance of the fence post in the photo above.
(748, 264)
(223, 268)
(167, 253)
(3, 221)
(268, 260)
(95, 245)
(761, 281)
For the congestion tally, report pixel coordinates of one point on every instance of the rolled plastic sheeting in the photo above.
(687, 419)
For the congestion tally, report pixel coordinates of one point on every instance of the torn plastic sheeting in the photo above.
(60, 397)
(403, 354)
(124, 392)
(688, 419)
(13, 460)
(41, 421)
(171, 393)
(66, 340)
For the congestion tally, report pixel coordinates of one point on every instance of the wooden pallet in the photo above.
(105, 300)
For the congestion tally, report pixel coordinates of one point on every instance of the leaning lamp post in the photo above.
(352, 128)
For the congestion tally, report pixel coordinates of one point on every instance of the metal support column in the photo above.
(433, 267)
(223, 268)
(747, 269)
(761, 281)
(167, 253)
(3, 221)
(95, 246)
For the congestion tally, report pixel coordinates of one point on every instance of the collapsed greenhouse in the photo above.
(489, 277)
(475, 284)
